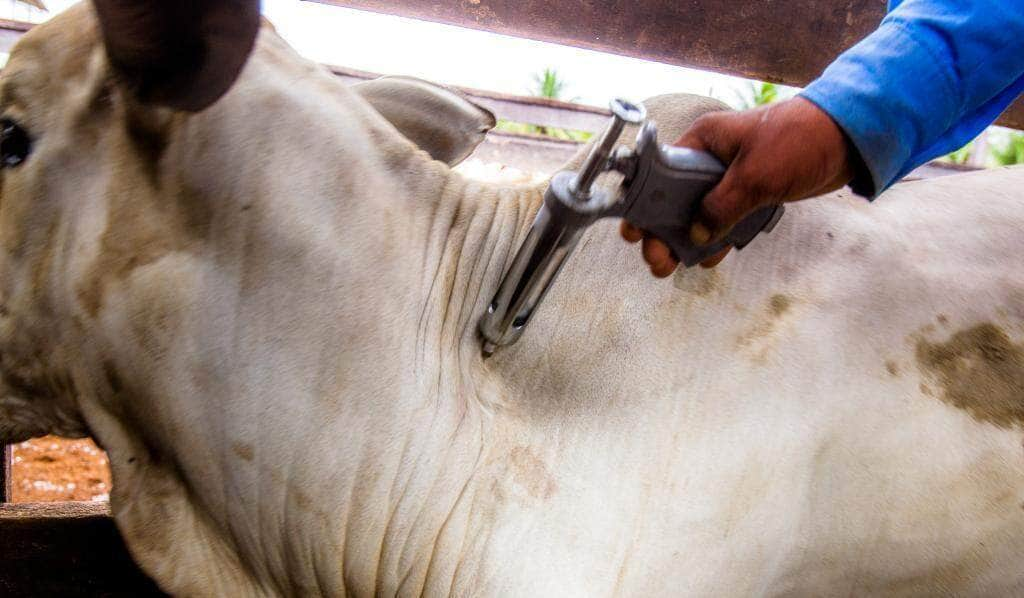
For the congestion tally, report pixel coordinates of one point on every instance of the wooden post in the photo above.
(6, 459)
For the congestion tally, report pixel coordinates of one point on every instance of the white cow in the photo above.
(266, 313)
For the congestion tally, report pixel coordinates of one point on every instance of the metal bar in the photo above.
(536, 114)
(21, 26)
(6, 461)
(10, 31)
(521, 109)
(770, 40)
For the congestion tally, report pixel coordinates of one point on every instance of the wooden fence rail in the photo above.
(771, 40)
(67, 550)
(6, 459)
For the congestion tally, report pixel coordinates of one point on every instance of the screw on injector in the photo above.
(623, 113)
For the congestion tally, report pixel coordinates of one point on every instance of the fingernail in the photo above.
(699, 234)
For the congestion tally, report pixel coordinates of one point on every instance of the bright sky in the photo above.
(392, 45)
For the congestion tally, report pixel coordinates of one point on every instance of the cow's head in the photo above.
(119, 143)
(86, 104)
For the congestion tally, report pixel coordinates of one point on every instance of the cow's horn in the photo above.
(183, 54)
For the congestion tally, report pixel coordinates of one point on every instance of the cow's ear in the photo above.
(182, 54)
(441, 121)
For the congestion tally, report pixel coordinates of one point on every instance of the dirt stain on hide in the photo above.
(43, 268)
(531, 473)
(243, 451)
(979, 370)
(701, 283)
(149, 216)
(953, 577)
(779, 305)
(760, 338)
(893, 368)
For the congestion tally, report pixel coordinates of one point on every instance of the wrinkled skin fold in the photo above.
(265, 311)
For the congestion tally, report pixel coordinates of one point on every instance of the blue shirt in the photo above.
(931, 77)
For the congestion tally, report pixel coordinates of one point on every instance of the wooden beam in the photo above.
(66, 549)
(6, 460)
(520, 109)
(534, 111)
(770, 40)
(10, 31)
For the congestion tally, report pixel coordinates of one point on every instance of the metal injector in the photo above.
(570, 205)
(661, 192)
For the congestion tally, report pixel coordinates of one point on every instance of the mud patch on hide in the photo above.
(531, 473)
(779, 305)
(952, 577)
(42, 269)
(893, 368)
(979, 370)
(759, 338)
(123, 249)
(700, 283)
(243, 451)
(146, 220)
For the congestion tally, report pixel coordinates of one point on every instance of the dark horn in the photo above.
(180, 54)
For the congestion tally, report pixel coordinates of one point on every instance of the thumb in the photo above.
(725, 205)
(717, 133)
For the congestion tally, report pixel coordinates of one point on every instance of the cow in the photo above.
(265, 311)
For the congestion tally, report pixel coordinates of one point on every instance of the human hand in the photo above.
(778, 153)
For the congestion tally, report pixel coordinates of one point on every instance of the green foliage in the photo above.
(758, 94)
(766, 93)
(961, 155)
(1010, 151)
(547, 84)
(528, 129)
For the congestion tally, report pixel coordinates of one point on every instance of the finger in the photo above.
(655, 252)
(716, 259)
(664, 269)
(720, 210)
(659, 257)
(630, 233)
(717, 133)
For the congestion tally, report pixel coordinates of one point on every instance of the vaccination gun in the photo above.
(661, 191)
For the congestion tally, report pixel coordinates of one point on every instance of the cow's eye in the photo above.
(15, 144)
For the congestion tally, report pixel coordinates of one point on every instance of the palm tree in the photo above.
(548, 84)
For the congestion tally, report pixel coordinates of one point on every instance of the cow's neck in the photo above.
(421, 463)
(339, 376)
(473, 233)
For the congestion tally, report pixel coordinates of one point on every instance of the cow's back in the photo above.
(834, 410)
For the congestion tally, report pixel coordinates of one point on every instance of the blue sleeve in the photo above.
(931, 77)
